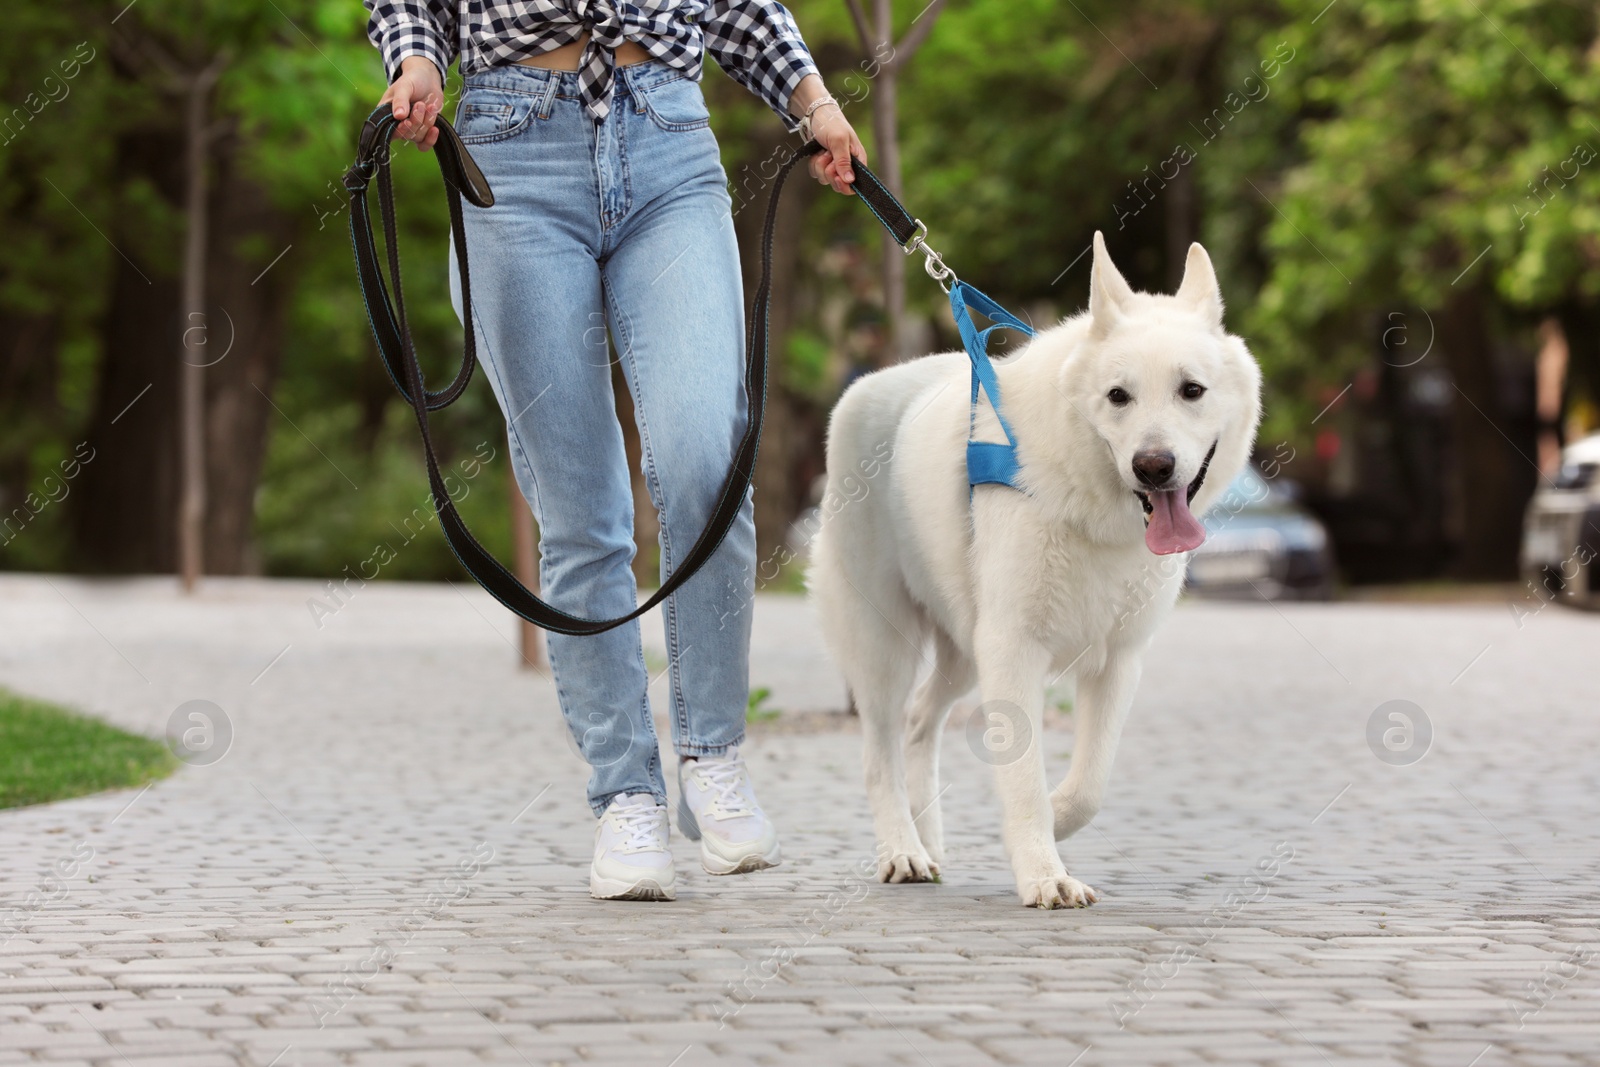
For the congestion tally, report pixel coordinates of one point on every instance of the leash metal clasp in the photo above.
(932, 261)
(915, 241)
(934, 265)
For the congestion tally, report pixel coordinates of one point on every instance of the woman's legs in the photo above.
(673, 296)
(624, 225)
(537, 305)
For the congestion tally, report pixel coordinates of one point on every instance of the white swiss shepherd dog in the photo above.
(1130, 420)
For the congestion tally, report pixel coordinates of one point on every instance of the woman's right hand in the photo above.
(416, 96)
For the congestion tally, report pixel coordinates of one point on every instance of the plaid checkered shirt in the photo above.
(755, 41)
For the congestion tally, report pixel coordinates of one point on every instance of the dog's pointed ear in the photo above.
(1109, 291)
(1199, 291)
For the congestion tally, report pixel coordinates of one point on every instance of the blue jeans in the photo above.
(623, 227)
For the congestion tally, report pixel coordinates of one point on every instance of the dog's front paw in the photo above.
(1057, 891)
(907, 867)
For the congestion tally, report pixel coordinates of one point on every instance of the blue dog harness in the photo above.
(988, 462)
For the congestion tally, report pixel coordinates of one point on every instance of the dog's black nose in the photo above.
(1154, 468)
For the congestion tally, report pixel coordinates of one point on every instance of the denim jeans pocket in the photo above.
(493, 115)
(676, 105)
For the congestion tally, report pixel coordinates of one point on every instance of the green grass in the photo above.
(791, 578)
(756, 709)
(49, 753)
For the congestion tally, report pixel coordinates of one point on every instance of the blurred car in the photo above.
(1262, 544)
(1561, 529)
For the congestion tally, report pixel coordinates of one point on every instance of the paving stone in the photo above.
(312, 876)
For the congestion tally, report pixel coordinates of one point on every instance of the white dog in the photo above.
(1130, 420)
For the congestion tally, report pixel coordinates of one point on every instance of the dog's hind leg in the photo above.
(952, 675)
(1102, 703)
(877, 635)
(881, 700)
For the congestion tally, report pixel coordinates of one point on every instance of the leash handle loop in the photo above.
(464, 180)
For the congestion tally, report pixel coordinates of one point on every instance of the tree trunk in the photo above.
(1180, 225)
(125, 512)
(126, 507)
(1494, 467)
(781, 488)
(248, 309)
(195, 353)
(29, 366)
(886, 152)
(373, 393)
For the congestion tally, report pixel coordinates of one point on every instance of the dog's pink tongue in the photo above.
(1172, 527)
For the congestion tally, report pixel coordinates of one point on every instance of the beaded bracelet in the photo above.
(805, 120)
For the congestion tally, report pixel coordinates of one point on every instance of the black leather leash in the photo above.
(392, 330)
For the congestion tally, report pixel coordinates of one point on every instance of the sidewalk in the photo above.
(389, 866)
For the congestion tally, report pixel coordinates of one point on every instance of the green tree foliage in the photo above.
(55, 88)
(1432, 134)
(1340, 162)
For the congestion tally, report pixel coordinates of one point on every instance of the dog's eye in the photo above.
(1192, 391)
(1118, 396)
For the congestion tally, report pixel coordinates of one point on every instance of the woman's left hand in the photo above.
(833, 131)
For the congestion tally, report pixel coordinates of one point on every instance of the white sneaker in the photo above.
(631, 860)
(717, 807)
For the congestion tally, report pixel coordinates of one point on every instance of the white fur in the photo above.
(1013, 588)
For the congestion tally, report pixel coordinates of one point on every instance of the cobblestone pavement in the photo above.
(388, 866)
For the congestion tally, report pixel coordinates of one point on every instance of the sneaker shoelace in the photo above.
(726, 777)
(641, 823)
